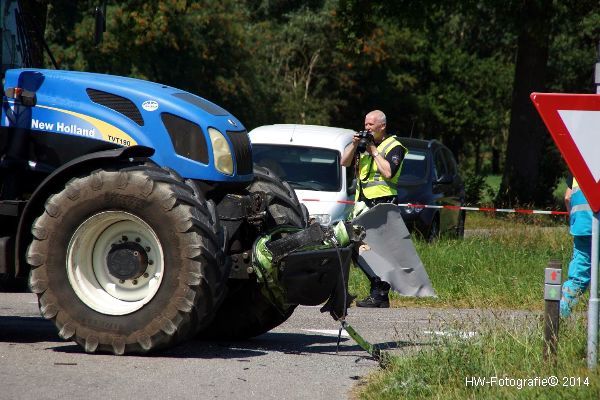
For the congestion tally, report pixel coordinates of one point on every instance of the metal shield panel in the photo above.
(391, 254)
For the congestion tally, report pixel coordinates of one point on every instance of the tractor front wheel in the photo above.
(127, 260)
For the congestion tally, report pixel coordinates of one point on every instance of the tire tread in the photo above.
(202, 271)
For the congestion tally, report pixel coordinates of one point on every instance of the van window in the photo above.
(304, 168)
(414, 166)
(450, 162)
(440, 166)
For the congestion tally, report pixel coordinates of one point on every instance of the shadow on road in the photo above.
(287, 343)
(36, 329)
(300, 344)
(27, 330)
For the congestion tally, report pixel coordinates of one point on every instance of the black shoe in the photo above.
(374, 302)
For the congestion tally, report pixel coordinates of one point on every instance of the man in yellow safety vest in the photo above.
(379, 164)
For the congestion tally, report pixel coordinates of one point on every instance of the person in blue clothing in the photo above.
(580, 219)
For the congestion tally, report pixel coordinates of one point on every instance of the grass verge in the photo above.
(503, 269)
(501, 362)
(500, 269)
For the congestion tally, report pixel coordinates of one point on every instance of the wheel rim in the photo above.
(88, 269)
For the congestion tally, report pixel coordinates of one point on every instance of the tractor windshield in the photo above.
(11, 46)
(21, 34)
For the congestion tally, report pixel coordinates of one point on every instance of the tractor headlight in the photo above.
(221, 152)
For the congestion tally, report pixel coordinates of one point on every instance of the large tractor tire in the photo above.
(246, 312)
(127, 260)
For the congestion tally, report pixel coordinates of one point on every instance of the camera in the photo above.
(366, 137)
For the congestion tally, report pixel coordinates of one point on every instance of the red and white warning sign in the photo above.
(574, 123)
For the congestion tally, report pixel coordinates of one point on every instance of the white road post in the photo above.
(592, 350)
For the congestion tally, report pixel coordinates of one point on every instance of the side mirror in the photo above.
(352, 187)
(100, 23)
(445, 179)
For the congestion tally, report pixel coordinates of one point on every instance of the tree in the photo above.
(439, 69)
(527, 137)
(197, 46)
(298, 59)
(465, 83)
(554, 50)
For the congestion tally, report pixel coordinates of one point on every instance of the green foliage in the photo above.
(298, 57)
(574, 48)
(442, 70)
(198, 46)
(492, 183)
(475, 189)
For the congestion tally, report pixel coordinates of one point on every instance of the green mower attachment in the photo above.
(307, 266)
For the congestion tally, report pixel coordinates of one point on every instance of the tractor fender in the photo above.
(60, 176)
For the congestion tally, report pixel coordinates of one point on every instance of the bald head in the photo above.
(375, 122)
(378, 115)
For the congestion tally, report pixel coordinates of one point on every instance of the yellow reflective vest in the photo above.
(371, 183)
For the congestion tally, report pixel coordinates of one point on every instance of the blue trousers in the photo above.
(579, 273)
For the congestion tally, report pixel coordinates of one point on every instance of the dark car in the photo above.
(430, 177)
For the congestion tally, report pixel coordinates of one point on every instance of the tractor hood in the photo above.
(183, 128)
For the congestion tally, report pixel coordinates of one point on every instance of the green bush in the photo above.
(476, 188)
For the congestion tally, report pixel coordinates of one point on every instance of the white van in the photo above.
(308, 158)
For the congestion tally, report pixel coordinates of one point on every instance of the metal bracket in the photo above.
(241, 265)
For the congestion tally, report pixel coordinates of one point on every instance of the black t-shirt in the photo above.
(395, 157)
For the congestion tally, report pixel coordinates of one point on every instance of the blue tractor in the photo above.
(132, 208)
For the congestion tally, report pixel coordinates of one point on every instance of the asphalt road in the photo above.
(297, 360)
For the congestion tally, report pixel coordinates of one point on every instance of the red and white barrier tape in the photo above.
(487, 209)
(457, 208)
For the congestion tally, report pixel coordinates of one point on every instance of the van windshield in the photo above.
(414, 166)
(304, 168)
